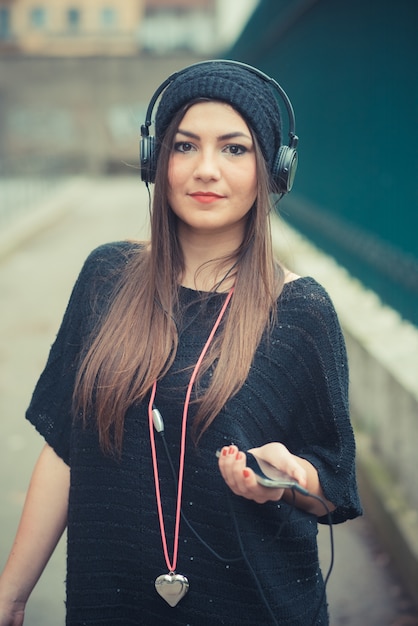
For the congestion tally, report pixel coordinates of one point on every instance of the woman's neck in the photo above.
(204, 268)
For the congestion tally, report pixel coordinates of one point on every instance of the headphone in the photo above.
(285, 161)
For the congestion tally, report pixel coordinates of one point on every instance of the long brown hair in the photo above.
(135, 343)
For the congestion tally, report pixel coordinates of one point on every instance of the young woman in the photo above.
(172, 352)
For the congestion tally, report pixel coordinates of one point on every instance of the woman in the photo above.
(171, 350)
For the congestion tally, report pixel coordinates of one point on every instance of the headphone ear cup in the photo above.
(284, 168)
(147, 159)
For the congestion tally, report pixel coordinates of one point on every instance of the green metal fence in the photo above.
(350, 69)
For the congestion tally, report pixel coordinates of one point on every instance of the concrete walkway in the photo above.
(40, 262)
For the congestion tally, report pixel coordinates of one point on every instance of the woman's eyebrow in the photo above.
(226, 136)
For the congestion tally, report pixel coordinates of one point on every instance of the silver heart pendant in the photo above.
(172, 587)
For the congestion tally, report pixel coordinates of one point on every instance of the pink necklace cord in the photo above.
(171, 565)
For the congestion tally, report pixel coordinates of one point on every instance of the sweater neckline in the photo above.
(190, 291)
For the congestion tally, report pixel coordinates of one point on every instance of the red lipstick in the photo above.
(205, 197)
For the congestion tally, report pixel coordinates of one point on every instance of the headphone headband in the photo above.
(286, 159)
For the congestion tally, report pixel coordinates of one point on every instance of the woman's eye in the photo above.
(235, 149)
(183, 146)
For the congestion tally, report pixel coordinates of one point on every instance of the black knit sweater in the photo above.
(296, 393)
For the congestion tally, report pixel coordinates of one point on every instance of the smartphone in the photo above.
(268, 475)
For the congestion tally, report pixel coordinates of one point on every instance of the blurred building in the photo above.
(188, 25)
(70, 27)
(120, 27)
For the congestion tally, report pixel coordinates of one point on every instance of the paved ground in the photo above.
(35, 282)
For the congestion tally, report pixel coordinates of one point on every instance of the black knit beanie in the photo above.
(244, 90)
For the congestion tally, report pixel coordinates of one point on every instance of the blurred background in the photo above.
(75, 82)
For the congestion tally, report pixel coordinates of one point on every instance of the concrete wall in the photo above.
(383, 360)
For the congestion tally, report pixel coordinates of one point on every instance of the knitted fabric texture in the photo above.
(245, 91)
(296, 392)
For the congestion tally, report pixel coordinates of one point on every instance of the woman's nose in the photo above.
(207, 166)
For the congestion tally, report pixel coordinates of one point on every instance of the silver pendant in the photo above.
(172, 587)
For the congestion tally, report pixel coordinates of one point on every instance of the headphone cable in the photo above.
(159, 427)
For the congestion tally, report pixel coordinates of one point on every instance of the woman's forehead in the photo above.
(212, 114)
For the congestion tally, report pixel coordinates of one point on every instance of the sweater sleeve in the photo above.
(50, 409)
(325, 434)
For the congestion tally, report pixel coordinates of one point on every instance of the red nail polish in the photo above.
(224, 451)
(231, 450)
(246, 473)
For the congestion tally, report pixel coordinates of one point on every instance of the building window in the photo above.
(73, 19)
(37, 17)
(108, 17)
(4, 23)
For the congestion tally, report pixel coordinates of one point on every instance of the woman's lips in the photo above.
(205, 197)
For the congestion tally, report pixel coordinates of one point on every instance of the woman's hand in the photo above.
(241, 479)
(42, 523)
(11, 613)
